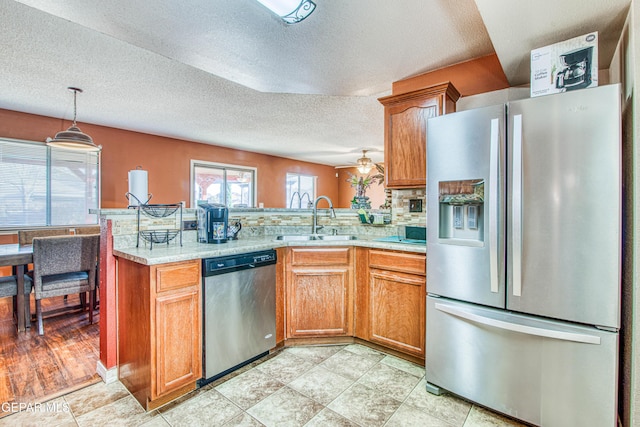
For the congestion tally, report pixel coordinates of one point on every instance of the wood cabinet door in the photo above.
(406, 148)
(397, 311)
(320, 302)
(177, 339)
(319, 292)
(405, 127)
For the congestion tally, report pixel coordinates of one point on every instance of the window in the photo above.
(230, 185)
(301, 190)
(44, 186)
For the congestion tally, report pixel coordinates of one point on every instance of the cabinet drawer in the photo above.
(323, 256)
(398, 261)
(177, 275)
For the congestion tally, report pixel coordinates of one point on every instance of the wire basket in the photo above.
(160, 211)
(159, 236)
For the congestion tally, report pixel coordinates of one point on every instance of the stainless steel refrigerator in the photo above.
(524, 255)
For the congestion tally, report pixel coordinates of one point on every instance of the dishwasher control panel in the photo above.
(225, 264)
(264, 257)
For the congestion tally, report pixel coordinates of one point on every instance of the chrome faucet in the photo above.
(300, 199)
(309, 203)
(332, 214)
(291, 201)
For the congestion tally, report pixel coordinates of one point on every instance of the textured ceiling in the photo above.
(230, 73)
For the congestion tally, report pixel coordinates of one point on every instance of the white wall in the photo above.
(623, 70)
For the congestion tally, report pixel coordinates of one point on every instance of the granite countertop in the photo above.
(161, 254)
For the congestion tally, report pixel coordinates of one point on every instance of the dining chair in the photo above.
(94, 229)
(25, 237)
(9, 288)
(64, 265)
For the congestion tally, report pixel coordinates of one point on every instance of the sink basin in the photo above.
(336, 237)
(294, 237)
(303, 237)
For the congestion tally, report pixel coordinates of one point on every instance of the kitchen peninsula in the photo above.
(354, 284)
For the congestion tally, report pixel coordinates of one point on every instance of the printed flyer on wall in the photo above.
(568, 65)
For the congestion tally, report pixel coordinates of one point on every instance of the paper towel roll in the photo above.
(138, 186)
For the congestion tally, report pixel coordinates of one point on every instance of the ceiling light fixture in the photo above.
(364, 163)
(73, 138)
(290, 11)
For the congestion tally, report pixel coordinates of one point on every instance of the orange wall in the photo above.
(167, 160)
(478, 75)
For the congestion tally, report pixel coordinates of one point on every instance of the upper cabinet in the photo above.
(405, 132)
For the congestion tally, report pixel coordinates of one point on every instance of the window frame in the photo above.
(224, 166)
(48, 187)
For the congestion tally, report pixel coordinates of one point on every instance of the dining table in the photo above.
(18, 256)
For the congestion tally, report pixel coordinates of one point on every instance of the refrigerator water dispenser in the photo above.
(461, 212)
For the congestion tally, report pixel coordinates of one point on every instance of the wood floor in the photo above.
(36, 368)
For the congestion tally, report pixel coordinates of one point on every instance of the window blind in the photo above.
(43, 186)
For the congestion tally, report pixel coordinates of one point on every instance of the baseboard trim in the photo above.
(108, 375)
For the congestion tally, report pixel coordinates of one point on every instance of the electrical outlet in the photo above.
(189, 225)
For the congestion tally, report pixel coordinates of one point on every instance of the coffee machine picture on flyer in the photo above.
(576, 73)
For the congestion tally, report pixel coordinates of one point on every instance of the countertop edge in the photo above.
(161, 254)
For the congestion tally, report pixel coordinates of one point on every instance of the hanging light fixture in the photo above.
(73, 138)
(364, 163)
(290, 11)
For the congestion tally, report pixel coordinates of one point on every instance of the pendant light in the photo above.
(290, 11)
(364, 163)
(73, 138)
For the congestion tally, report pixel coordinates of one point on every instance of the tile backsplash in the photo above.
(271, 222)
(400, 200)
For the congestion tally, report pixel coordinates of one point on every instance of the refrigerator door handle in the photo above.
(516, 208)
(514, 327)
(494, 176)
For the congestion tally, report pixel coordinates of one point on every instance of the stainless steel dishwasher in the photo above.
(239, 295)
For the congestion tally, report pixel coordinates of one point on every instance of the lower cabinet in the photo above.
(376, 295)
(319, 289)
(159, 330)
(395, 301)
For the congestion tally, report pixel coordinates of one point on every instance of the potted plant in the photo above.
(360, 183)
(378, 178)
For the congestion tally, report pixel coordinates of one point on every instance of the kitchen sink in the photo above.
(303, 237)
(294, 237)
(336, 237)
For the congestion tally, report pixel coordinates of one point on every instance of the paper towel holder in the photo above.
(136, 195)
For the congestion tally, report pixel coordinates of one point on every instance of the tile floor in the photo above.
(346, 385)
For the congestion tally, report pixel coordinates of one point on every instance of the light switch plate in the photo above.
(415, 205)
(189, 225)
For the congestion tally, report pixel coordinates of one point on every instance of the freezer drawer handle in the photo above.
(516, 206)
(523, 329)
(494, 204)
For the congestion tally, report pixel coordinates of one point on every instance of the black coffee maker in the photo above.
(213, 221)
(577, 71)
